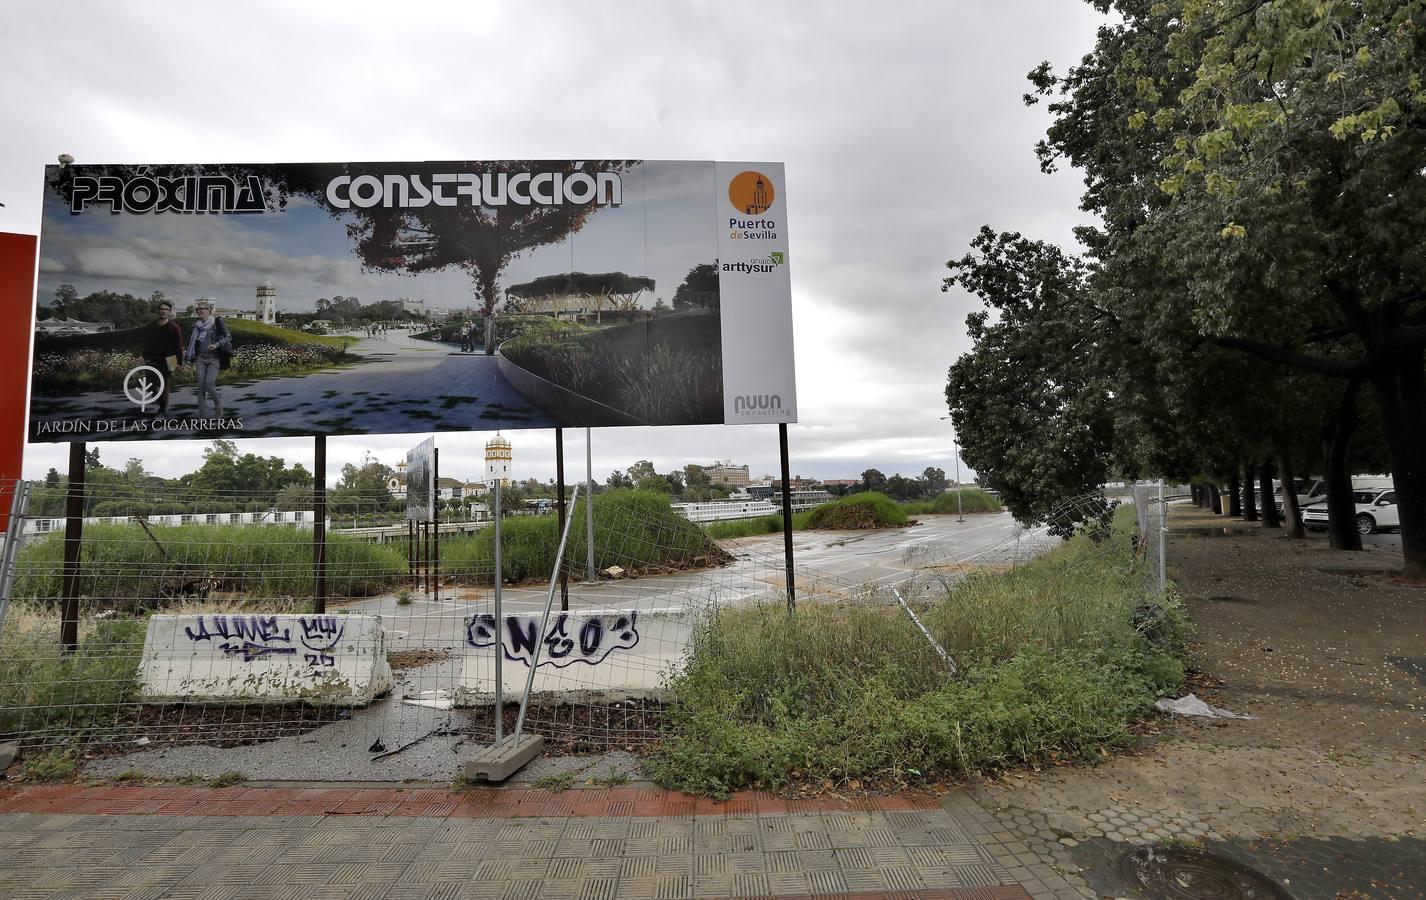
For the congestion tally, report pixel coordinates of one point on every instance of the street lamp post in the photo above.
(955, 448)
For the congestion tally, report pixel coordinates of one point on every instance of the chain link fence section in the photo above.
(198, 651)
(1151, 542)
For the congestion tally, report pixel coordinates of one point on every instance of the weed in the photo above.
(52, 765)
(612, 779)
(403, 597)
(955, 500)
(556, 782)
(129, 776)
(45, 691)
(226, 779)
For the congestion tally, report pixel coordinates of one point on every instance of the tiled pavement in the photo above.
(584, 844)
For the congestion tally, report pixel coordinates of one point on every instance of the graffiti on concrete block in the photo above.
(256, 637)
(571, 637)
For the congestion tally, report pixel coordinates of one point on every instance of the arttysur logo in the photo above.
(145, 389)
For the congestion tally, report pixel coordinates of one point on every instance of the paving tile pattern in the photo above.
(180, 842)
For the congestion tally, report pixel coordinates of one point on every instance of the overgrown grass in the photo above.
(972, 500)
(635, 530)
(1057, 659)
(122, 563)
(44, 691)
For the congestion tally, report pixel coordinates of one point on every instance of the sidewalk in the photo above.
(625, 842)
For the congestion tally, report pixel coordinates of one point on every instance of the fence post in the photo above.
(14, 532)
(787, 518)
(589, 503)
(1163, 540)
(499, 628)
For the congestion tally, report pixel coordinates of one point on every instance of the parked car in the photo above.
(1376, 511)
(1308, 490)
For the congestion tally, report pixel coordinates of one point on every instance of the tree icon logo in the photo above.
(144, 390)
(751, 193)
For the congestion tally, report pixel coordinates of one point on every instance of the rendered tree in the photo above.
(478, 240)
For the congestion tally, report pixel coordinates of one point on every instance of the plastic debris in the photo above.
(1192, 706)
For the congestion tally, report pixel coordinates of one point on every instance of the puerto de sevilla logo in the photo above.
(144, 390)
(751, 193)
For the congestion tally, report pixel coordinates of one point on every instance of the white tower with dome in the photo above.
(267, 303)
(497, 461)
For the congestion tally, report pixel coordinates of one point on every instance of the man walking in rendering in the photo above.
(163, 348)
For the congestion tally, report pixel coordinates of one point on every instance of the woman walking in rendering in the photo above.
(207, 344)
(163, 349)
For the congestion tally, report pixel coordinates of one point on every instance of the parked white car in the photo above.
(1376, 511)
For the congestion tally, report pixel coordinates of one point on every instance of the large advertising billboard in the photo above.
(192, 301)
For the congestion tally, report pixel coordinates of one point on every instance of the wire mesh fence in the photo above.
(198, 646)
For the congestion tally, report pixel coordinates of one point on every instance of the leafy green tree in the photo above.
(1263, 161)
(699, 289)
(873, 480)
(933, 481)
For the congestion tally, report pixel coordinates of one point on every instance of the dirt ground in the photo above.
(1325, 789)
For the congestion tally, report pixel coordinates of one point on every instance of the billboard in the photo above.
(361, 298)
(421, 482)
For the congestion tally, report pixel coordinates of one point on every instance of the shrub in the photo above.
(635, 530)
(865, 510)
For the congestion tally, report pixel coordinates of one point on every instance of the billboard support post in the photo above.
(319, 524)
(589, 502)
(499, 628)
(787, 517)
(73, 536)
(559, 504)
(436, 523)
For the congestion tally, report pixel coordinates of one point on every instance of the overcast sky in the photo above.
(900, 124)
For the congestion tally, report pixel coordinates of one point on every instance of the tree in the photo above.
(477, 240)
(933, 481)
(699, 289)
(618, 480)
(134, 471)
(873, 480)
(1030, 401)
(1264, 162)
(64, 297)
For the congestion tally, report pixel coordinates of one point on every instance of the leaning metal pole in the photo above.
(14, 530)
(544, 622)
(935, 645)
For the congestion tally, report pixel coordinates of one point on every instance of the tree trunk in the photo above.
(1341, 511)
(1265, 479)
(1235, 496)
(1291, 514)
(1401, 393)
(489, 335)
(1250, 498)
(1215, 500)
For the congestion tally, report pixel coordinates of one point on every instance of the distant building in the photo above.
(725, 473)
(842, 482)
(498, 459)
(65, 327)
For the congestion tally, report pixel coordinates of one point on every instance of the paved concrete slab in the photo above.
(183, 841)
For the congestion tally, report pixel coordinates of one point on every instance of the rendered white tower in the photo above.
(267, 303)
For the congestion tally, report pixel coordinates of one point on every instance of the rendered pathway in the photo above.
(624, 842)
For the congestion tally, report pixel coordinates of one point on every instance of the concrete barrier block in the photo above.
(609, 654)
(323, 660)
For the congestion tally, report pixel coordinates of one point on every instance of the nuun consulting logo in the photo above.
(756, 403)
